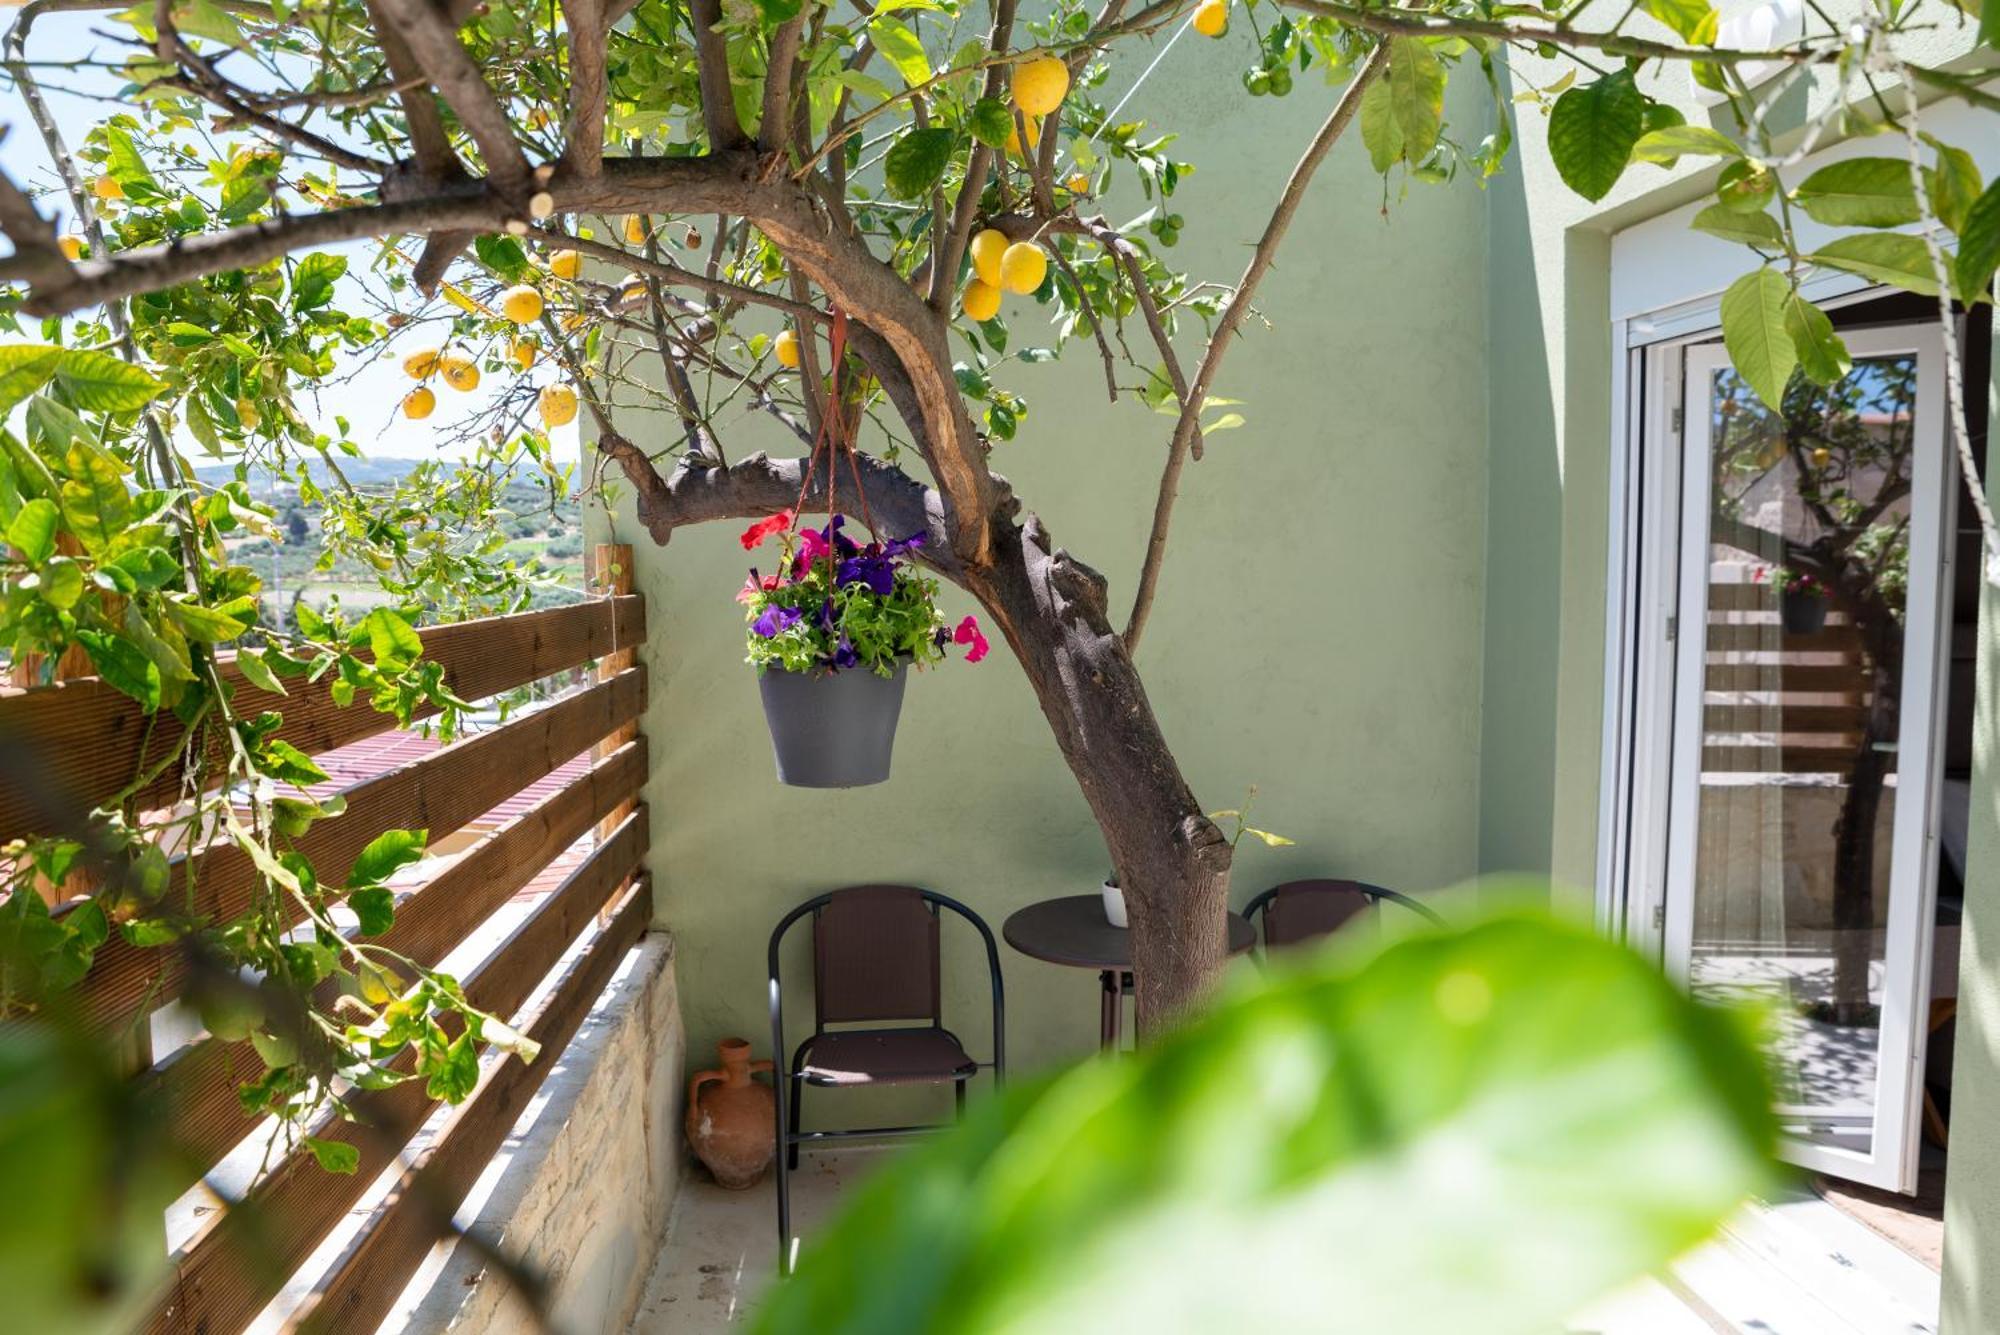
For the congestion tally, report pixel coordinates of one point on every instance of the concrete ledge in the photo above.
(584, 1188)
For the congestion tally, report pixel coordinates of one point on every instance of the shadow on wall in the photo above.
(1523, 548)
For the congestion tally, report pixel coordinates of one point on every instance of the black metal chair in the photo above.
(876, 959)
(1299, 911)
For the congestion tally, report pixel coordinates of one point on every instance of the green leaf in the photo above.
(335, 1156)
(867, 85)
(1954, 184)
(282, 760)
(122, 666)
(163, 645)
(101, 383)
(900, 47)
(1887, 257)
(55, 426)
(149, 567)
(391, 640)
(250, 662)
(991, 122)
(1859, 192)
(1822, 354)
(385, 854)
(1979, 239)
(62, 583)
(1380, 133)
(1442, 1118)
(779, 11)
(209, 625)
(94, 499)
(455, 1072)
(1685, 17)
(313, 281)
(917, 161)
(24, 368)
(502, 256)
(1670, 145)
(1746, 186)
(1416, 95)
(375, 906)
(1750, 229)
(1592, 131)
(1754, 332)
(34, 531)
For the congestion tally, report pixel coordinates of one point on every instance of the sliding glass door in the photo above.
(1799, 841)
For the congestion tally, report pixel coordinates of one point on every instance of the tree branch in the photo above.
(718, 105)
(1188, 428)
(434, 43)
(589, 29)
(759, 485)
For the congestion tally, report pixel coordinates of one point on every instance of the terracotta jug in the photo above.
(732, 1120)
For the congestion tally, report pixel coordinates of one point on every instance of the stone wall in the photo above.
(587, 1179)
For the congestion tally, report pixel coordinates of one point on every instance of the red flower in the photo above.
(968, 633)
(754, 585)
(764, 528)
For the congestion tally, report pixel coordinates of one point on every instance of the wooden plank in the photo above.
(238, 1261)
(1778, 760)
(1817, 678)
(1770, 638)
(1783, 717)
(439, 792)
(370, 1275)
(85, 741)
(198, 1084)
(1742, 598)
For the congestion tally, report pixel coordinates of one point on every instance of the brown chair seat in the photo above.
(885, 1057)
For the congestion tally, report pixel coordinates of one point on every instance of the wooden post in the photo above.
(611, 574)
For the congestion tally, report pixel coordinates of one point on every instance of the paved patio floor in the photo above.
(1794, 1266)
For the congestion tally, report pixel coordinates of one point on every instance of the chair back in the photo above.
(1299, 911)
(876, 957)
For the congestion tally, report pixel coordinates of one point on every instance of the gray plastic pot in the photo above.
(832, 729)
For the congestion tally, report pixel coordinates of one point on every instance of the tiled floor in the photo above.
(1796, 1266)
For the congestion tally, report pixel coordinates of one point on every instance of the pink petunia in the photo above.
(968, 633)
(754, 585)
(764, 528)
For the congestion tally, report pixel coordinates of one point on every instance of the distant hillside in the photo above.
(358, 471)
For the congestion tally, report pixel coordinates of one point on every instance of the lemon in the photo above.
(1040, 84)
(787, 348)
(459, 373)
(418, 403)
(522, 305)
(558, 405)
(1078, 184)
(1023, 267)
(72, 247)
(635, 229)
(105, 187)
(981, 300)
(1211, 18)
(523, 352)
(1034, 138)
(566, 264)
(987, 248)
(539, 119)
(420, 364)
(1822, 457)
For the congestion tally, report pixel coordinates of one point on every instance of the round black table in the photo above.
(1072, 931)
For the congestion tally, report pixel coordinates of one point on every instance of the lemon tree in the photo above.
(539, 213)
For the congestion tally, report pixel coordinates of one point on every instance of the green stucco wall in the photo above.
(1318, 631)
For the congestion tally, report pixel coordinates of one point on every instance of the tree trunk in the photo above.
(1860, 812)
(1171, 860)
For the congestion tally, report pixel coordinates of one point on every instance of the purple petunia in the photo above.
(876, 571)
(776, 621)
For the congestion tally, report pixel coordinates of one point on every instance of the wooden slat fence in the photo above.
(90, 741)
(1800, 696)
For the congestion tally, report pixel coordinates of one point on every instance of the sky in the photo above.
(370, 401)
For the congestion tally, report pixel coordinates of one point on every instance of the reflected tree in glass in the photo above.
(1839, 458)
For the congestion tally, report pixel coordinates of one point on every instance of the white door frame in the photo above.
(1647, 841)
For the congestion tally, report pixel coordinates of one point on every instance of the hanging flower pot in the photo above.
(1802, 601)
(1803, 610)
(832, 729)
(833, 636)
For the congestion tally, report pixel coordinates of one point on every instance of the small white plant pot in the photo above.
(1114, 904)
